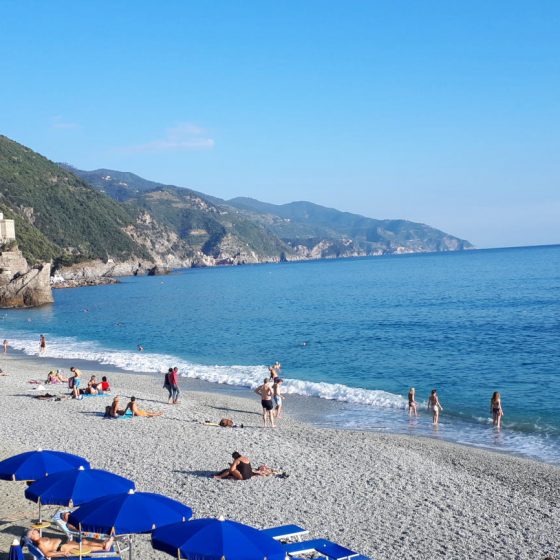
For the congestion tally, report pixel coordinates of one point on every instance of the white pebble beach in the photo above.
(386, 496)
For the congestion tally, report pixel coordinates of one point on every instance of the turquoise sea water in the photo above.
(359, 331)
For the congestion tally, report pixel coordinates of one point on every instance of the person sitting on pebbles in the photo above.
(240, 469)
(133, 407)
(55, 548)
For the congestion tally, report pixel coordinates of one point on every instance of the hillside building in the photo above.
(7, 229)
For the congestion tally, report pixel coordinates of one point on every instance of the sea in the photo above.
(352, 335)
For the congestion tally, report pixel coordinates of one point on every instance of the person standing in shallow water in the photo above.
(496, 409)
(435, 406)
(412, 402)
(42, 344)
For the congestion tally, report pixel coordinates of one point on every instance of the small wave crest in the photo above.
(237, 375)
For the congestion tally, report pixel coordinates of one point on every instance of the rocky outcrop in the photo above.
(81, 282)
(28, 289)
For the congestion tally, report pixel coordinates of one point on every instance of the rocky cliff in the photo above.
(21, 286)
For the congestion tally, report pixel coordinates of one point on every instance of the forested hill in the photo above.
(58, 216)
(71, 216)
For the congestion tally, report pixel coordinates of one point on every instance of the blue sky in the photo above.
(446, 113)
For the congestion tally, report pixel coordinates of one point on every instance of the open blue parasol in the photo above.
(33, 465)
(76, 487)
(216, 539)
(124, 514)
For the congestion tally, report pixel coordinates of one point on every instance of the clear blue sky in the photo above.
(446, 113)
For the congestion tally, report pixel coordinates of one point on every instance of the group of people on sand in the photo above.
(272, 398)
(114, 410)
(435, 406)
(94, 386)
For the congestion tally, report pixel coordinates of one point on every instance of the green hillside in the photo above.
(202, 221)
(269, 230)
(58, 216)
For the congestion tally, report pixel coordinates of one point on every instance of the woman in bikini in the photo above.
(496, 409)
(435, 406)
(412, 402)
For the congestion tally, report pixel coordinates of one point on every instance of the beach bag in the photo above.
(226, 423)
(71, 383)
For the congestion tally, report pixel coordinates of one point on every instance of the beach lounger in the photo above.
(286, 533)
(38, 555)
(325, 548)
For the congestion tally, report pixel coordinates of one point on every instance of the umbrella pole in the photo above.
(130, 549)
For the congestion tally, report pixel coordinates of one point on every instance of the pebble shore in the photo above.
(386, 496)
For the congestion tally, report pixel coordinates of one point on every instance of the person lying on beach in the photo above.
(54, 377)
(113, 411)
(133, 407)
(55, 548)
(240, 469)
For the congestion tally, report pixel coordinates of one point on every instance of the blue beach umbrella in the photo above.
(124, 514)
(33, 465)
(76, 487)
(16, 552)
(216, 539)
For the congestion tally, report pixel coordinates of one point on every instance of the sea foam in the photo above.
(237, 375)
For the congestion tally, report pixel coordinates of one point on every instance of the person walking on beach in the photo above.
(435, 406)
(496, 409)
(5, 346)
(278, 397)
(266, 392)
(42, 344)
(174, 385)
(167, 385)
(412, 402)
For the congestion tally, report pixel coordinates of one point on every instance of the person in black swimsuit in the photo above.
(240, 469)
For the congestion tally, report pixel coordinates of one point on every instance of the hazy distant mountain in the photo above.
(297, 230)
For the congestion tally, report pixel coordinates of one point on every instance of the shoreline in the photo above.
(385, 495)
(320, 412)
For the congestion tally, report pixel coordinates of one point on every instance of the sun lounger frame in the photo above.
(323, 547)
